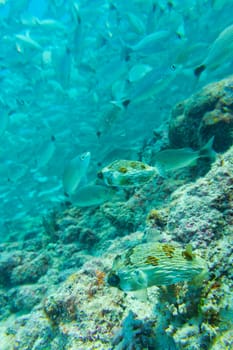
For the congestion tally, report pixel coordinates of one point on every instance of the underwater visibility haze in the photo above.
(116, 168)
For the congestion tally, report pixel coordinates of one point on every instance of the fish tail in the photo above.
(125, 51)
(207, 150)
(198, 70)
(121, 104)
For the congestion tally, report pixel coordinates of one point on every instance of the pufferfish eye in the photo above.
(113, 280)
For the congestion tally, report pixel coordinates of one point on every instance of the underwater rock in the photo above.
(31, 269)
(134, 334)
(207, 113)
(4, 305)
(224, 341)
(31, 331)
(24, 298)
(8, 261)
(61, 307)
(202, 212)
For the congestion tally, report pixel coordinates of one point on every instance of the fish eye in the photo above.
(83, 156)
(100, 175)
(113, 280)
(173, 67)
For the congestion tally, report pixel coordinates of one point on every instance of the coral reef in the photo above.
(203, 211)
(53, 287)
(206, 113)
(134, 334)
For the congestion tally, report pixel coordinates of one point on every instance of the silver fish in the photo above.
(63, 65)
(135, 23)
(75, 171)
(26, 40)
(50, 23)
(151, 43)
(91, 195)
(148, 87)
(138, 71)
(46, 152)
(219, 51)
(15, 171)
(173, 159)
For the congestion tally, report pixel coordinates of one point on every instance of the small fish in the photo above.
(91, 195)
(46, 152)
(219, 51)
(151, 84)
(74, 172)
(28, 41)
(63, 65)
(155, 264)
(136, 24)
(15, 171)
(118, 90)
(173, 159)
(109, 115)
(138, 71)
(77, 39)
(49, 192)
(50, 23)
(151, 43)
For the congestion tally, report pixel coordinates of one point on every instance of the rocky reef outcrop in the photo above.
(209, 112)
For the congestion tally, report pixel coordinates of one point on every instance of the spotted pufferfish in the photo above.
(126, 173)
(151, 264)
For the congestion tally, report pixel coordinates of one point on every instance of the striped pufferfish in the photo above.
(150, 264)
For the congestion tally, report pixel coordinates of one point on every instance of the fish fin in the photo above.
(198, 70)
(188, 252)
(207, 150)
(27, 34)
(197, 281)
(140, 278)
(161, 170)
(193, 163)
(189, 249)
(116, 262)
(83, 182)
(125, 51)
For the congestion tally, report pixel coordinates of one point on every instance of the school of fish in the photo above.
(84, 83)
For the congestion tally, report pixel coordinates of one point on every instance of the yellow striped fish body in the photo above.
(151, 264)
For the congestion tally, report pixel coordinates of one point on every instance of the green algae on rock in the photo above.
(150, 264)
